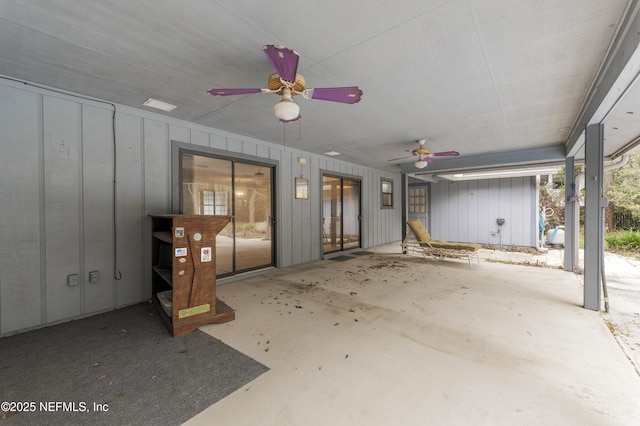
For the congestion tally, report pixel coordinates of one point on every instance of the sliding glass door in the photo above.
(252, 202)
(241, 189)
(340, 213)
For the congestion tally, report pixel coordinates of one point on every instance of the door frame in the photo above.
(341, 176)
(426, 216)
(177, 148)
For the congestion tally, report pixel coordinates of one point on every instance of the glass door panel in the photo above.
(351, 213)
(340, 214)
(253, 216)
(418, 200)
(331, 214)
(207, 189)
(215, 186)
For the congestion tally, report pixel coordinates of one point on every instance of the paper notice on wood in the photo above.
(205, 254)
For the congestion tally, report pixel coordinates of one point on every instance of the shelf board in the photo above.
(165, 273)
(224, 313)
(193, 281)
(163, 236)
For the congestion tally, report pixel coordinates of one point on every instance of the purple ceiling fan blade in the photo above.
(347, 95)
(446, 154)
(284, 61)
(228, 92)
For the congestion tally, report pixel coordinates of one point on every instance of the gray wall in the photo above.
(57, 201)
(466, 211)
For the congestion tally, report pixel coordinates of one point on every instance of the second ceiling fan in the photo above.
(425, 156)
(286, 82)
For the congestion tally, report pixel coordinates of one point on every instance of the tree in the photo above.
(625, 189)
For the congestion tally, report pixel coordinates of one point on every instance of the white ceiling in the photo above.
(479, 77)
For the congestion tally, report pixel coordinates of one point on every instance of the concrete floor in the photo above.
(388, 339)
(623, 318)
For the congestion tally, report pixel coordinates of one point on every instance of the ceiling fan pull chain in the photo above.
(299, 130)
(284, 137)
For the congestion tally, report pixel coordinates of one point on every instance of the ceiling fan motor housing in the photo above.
(274, 83)
(424, 152)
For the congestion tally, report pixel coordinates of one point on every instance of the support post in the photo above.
(593, 226)
(405, 203)
(571, 226)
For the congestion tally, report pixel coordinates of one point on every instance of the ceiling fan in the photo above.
(286, 82)
(425, 156)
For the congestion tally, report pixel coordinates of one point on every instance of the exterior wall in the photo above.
(466, 211)
(58, 198)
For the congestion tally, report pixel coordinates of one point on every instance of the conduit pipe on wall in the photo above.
(117, 275)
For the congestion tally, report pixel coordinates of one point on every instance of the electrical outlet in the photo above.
(94, 277)
(72, 280)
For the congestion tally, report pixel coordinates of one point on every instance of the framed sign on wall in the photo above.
(302, 188)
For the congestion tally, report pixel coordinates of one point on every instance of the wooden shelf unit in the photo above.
(184, 271)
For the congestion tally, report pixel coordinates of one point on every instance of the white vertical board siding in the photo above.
(480, 195)
(130, 210)
(285, 227)
(20, 210)
(157, 184)
(157, 157)
(57, 201)
(526, 210)
(314, 215)
(97, 182)
(301, 220)
(467, 211)
(297, 230)
(179, 133)
(62, 207)
(199, 138)
(380, 226)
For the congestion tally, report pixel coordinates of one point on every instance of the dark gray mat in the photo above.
(340, 258)
(362, 253)
(125, 360)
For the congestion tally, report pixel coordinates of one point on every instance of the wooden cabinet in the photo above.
(184, 271)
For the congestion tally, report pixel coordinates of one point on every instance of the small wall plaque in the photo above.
(302, 188)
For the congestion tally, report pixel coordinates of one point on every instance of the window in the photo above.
(214, 203)
(417, 200)
(386, 198)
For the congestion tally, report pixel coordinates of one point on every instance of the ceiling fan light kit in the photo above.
(286, 82)
(287, 110)
(421, 163)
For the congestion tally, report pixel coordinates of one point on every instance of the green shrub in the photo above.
(623, 240)
(245, 227)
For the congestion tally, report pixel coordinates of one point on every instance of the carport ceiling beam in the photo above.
(526, 157)
(618, 71)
